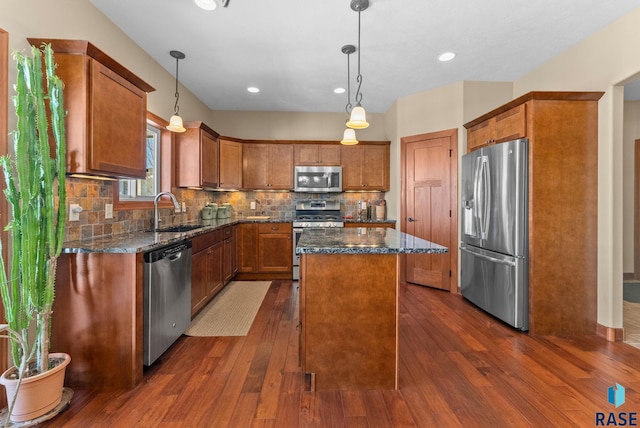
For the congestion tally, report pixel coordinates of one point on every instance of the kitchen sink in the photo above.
(181, 228)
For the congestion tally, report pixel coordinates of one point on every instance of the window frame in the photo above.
(166, 177)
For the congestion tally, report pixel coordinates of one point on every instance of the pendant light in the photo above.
(175, 123)
(349, 137)
(358, 119)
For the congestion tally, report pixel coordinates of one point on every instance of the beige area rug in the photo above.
(232, 311)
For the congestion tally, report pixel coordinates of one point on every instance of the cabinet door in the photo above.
(247, 247)
(230, 164)
(254, 166)
(280, 167)
(209, 160)
(352, 160)
(375, 168)
(275, 247)
(214, 267)
(511, 124)
(480, 135)
(118, 112)
(329, 154)
(228, 255)
(365, 167)
(199, 279)
(306, 154)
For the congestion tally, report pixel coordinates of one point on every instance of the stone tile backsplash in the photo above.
(93, 195)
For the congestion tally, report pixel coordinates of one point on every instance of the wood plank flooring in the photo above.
(459, 368)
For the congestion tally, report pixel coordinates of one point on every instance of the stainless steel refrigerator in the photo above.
(493, 251)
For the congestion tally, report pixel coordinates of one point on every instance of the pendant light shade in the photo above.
(349, 138)
(175, 123)
(358, 119)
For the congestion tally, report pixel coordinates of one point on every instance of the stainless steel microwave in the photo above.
(318, 179)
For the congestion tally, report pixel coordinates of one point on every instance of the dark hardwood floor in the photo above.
(459, 368)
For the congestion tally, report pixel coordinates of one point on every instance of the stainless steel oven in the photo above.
(312, 213)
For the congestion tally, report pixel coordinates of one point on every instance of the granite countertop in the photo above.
(137, 242)
(363, 241)
(368, 221)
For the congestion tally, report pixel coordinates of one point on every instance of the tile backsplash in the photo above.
(93, 195)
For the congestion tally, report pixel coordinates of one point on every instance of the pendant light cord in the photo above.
(176, 108)
(358, 96)
(348, 106)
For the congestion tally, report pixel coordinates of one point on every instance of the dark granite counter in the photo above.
(368, 222)
(137, 242)
(368, 240)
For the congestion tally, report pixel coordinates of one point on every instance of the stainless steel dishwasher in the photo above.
(167, 297)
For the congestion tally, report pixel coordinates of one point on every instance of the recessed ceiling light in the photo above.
(206, 4)
(253, 89)
(447, 56)
(339, 90)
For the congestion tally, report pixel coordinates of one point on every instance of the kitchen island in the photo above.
(349, 305)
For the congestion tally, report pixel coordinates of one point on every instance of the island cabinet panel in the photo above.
(348, 320)
(267, 166)
(196, 156)
(562, 130)
(317, 154)
(365, 167)
(230, 164)
(107, 110)
(97, 319)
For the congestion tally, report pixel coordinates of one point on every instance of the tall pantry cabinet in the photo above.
(562, 129)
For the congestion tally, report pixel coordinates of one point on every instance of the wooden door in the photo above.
(429, 205)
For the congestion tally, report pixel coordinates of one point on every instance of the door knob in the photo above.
(410, 219)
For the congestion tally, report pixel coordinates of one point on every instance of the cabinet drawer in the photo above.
(206, 240)
(274, 228)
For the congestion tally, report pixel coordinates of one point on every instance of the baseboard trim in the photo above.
(610, 333)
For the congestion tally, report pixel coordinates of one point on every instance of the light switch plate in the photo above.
(108, 211)
(184, 207)
(253, 205)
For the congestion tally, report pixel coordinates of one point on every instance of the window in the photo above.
(138, 194)
(145, 189)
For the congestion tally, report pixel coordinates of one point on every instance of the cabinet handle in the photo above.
(275, 228)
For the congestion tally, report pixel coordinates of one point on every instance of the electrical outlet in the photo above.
(253, 205)
(74, 212)
(184, 207)
(108, 211)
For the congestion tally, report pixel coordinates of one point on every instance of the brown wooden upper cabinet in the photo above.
(365, 167)
(230, 164)
(107, 111)
(317, 154)
(196, 156)
(267, 166)
(510, 125)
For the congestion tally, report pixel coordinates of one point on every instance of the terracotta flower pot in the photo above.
(38, 394)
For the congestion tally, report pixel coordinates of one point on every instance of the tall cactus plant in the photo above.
(35, 182)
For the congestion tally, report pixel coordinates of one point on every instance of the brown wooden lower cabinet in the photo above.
(212, 266)
(265, 251)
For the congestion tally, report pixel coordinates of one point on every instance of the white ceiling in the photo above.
(291, 49)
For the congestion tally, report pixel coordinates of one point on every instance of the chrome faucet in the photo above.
(156, 218)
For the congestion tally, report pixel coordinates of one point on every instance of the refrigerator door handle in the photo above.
(483, 255)
(482, 191)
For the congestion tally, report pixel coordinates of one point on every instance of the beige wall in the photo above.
(631, 132)
(601, 63)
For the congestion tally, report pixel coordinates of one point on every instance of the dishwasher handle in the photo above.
(172, 252)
